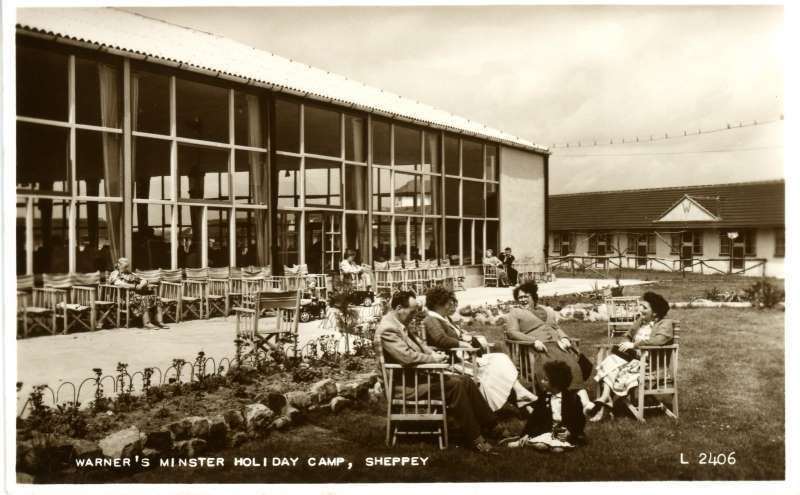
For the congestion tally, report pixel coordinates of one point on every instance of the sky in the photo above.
(556, 74)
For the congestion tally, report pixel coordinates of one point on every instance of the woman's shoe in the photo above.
(161, 325)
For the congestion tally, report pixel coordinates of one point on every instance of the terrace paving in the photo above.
(56, 359)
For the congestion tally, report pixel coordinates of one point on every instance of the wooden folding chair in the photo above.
(82, 308)
(317, 285)
(170, 293)
(235, 287)
(105, 305)
(416, 404)
(286, 306)
(45, 311)
(195, 287)
(397, 276)
(459, 276)
(622, 313)
(218, 291)
(658, 377)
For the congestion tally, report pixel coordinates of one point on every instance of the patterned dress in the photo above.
(143, 299)
(622, 375)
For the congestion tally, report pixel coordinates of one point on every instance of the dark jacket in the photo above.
(572, 418)
(439, 334)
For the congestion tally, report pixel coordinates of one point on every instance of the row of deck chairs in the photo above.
(418, 275)
(83, 301)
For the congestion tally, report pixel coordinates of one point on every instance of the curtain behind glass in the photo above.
(109, 116)
(258, 175)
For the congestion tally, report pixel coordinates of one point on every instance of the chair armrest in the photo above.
(519, 342)
(656, 347)
(430, 366)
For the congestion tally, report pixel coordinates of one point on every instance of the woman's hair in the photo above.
(657, 302)
(529, 288)
(349, 252)
(438, 297)
(558, 374)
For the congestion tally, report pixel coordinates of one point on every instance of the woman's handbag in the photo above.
(583, 362)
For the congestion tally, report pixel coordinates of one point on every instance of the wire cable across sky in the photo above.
(657, 153)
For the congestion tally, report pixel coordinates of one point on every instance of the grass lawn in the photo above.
(731, 381)
(677, 287)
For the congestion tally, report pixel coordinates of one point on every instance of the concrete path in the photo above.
(54, 359)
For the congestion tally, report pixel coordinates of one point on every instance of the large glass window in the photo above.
(98, 93)
(492, 200)
(381, 237)
(493, 236)
(452, 196)
(355, 139)
(433, 242)
(472, 161)
(286, 177)
(287, 126)
(248, 122)
(407, 193)
(99, 231)
(452, 239)
(323, 134)
(451, 163)
(22, 236)
(473, 199)
(218, 236)
(491, 163)
(323, 183)
(432, 193)
(407, 153)
(42, 83)
(400, 237)
(151, 236)
(355, 183)
(99, 163)
(202, 111)
(381, 142)
(151, 169)
(203, 173)
(150, 99)
(190, 226)
(466, 242)
(381, 190)
(50, 235)
(287, 242)
(252, 246)
(356, 235)
(430, 161)
(42, 158)
(250, 180)
(415, 237)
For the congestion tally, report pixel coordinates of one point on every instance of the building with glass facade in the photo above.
(178, 148)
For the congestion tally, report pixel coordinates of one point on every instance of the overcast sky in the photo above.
(556, 74)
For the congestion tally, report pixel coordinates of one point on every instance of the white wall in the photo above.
(522, 203)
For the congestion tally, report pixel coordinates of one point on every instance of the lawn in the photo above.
(731, 382)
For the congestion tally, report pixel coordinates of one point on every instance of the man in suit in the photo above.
(508, 259)
(463, 397)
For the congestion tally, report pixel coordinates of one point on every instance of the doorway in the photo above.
(323, 241)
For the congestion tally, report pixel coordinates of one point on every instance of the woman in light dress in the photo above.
(496, 373)
(619, 372)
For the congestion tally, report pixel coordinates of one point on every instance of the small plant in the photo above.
(617, 290)
(70, 421)
(713, 294)
(40, 417)
(763, 294)
(200, 366)
(100, 402)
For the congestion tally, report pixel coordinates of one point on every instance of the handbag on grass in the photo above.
(585, 365)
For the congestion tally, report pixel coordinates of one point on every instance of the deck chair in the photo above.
(217, 293)
(416, 277)
(81, 309)
(658, 377)
(397, 276)
(523, 355)
(381, 274)
(105, 305)
(195, 288)
(446, 273)
(45, 310)
(24, 289)
(286, 306)
(170, 292)
(415, 400)
(622, 313)
(459, 276)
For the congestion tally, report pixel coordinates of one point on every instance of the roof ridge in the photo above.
(673, 188)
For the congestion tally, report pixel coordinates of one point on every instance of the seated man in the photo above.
(463, 397)
(492, 260)
(350, 268)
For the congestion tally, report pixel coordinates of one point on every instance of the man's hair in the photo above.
(402, 298)
(508, 249)
(558, 374)
(349, 252)
(438, 296)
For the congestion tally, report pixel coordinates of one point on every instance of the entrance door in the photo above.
(641, 252)
(686, 249)
(323, 238)
(737, 257)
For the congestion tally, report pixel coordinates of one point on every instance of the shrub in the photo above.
(763, 294)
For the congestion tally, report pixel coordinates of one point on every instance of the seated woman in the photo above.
(349, 267)
(143, 298)
(557, 421)
(496, 373)
(539, 325)
(619, 371)
(492, 260)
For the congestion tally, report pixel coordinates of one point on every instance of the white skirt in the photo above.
(496, 376)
